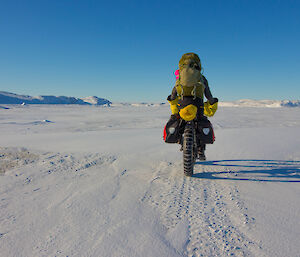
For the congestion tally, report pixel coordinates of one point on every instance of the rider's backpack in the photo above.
(189, 69)
(190, 82)
(171, 131)
(206, 132)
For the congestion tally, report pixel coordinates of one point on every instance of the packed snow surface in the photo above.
(100, 181)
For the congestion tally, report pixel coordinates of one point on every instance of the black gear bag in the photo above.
(171, 130)
(205, 131)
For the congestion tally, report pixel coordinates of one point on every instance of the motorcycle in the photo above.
(191, 132)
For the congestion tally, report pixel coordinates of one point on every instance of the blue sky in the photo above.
(128, 50)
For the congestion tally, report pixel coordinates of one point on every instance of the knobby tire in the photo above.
(188, 150)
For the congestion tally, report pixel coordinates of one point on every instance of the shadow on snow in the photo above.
(261, 170)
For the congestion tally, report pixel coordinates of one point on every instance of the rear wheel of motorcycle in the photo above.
(188, 150)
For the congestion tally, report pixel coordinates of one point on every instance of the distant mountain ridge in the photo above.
(238, 103)
(95, 100)
(261, 103)
(11, 98)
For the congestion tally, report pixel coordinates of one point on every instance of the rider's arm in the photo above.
(207, 92)
(173, 100)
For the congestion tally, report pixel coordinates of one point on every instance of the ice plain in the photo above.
(100, 181)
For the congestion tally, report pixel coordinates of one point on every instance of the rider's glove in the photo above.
(210, 109)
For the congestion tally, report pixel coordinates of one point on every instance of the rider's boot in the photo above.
(181, 144)
(201, 153)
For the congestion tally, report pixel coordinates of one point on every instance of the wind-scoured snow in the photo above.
(98, 181)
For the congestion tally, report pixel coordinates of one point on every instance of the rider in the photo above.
(189, 88)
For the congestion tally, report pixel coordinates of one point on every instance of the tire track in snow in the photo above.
(70, 162)
(218, 223)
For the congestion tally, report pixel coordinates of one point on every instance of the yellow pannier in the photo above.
(188, 113)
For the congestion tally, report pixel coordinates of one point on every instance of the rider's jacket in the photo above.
(183, 96)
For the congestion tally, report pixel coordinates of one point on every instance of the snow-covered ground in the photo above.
(100, 181)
